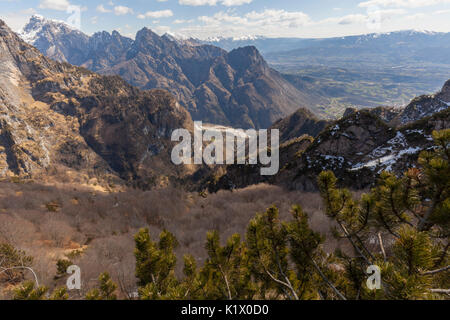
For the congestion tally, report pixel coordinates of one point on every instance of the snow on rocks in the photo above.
(384, 157)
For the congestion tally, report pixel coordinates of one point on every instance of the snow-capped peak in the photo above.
(37, 24)
(176, 36)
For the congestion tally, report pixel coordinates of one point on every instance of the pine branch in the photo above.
(288, 285)
(442, 257)
(444, 291)
(328, 282)
(4, 270)
(436, 271)
(380, 239)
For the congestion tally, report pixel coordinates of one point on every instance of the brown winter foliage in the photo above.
(95, 229)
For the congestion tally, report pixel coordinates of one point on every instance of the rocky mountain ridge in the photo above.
(57, 117)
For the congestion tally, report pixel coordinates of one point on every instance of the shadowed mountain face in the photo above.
(54, 115)
(302, 122)
(235, 89)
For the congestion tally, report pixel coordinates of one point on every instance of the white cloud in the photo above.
(156, 14)
(122, 10)
(268, 17)
(181, 21)
(442, 11)
(60, 5)
(416, 16)
(198, 2)
(352, 19)
(102, 9)
(284, 23)
(380, 15)
(402, 3)
(228, 23)
(227, 3)
(230, 3)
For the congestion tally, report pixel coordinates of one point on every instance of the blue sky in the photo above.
(237, 18)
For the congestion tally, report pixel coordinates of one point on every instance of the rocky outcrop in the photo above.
(302, 122)
(424, 106)
(358, 148)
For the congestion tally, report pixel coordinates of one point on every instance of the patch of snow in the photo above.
(386, 161)
(335, 129)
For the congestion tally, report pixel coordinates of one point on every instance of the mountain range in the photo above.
(62, 120)
(226, 81)
(235, 88)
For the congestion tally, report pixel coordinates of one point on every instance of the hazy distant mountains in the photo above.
(394, 47)
(234, 88)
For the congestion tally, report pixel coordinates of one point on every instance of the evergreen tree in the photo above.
(105, 291)
(28, 291)
(226, 274)
(155, 266)
(413, 211)
(13, 263)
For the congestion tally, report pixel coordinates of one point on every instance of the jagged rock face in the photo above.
(104, 50)
(424, 106)
(54, 114)
(300, 123)
(241, 90)
(360, 147)
(234, 89)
